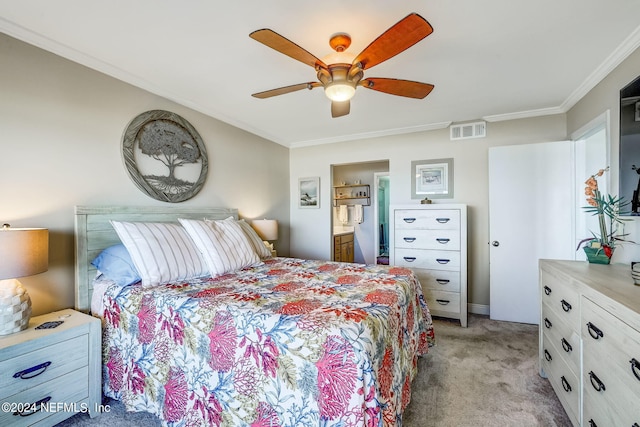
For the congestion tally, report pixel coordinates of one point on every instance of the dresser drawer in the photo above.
(562, 336)
(612, 405)
(440, 280)
(441, 301)
(66, 389)
(564, 381)
(562, 298)
(43, 364)
(598, 412)
(429, 259)
(608, 341)
(428, 239)
(440, 219)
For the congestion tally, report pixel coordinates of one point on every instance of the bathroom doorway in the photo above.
(381, 215)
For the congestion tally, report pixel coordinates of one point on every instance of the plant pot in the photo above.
(596, 256)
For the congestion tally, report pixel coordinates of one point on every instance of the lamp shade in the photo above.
(23, 252)
(267, 229)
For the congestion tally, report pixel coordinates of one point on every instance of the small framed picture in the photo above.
(432, 179)
(309, 192)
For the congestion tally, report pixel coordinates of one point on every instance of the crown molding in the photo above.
(365, 135)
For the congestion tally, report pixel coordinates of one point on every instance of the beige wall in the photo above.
(311, 228)
(606, 97)
(61, 126)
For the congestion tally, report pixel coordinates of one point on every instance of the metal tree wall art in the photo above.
(165, 156)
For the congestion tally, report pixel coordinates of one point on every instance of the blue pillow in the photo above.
(115, 263)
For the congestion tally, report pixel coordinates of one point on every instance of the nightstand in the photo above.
(48, 375)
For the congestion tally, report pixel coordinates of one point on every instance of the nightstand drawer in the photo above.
(41, 365)
(69, 388)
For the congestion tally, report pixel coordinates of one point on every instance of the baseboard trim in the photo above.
(478, 309)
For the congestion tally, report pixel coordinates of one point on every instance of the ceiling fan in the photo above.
(339, 73)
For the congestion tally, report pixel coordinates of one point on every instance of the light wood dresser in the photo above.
(431, 239)
(48, 375)
(590, 341)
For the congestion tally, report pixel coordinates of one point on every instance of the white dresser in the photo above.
(432, 241)
(590, 341)
(48, 375)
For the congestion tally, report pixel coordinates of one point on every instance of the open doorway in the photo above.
(381, 216)
(348, 180)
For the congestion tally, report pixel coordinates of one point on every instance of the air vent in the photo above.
(469, 130)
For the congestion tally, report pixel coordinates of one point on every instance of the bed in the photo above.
(282, 342)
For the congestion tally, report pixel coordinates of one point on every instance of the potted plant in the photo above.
(599, 248)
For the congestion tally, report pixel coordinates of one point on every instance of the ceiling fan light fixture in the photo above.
(339, 92)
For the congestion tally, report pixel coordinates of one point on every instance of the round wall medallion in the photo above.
(164, 156)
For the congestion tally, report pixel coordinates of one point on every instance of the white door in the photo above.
(530, 217)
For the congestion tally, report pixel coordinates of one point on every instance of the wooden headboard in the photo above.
(94, 233)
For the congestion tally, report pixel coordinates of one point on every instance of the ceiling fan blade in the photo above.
(283, 45)
(407, 88)
(404, 34)
(285, 89)
(339, 109)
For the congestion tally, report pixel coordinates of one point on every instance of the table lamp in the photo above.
(23, 252)
(267, 229)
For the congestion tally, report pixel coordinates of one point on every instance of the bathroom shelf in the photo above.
(352, 194)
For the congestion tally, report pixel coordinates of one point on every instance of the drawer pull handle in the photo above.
(592, 423)
(443, 220)
(547, 323)
(35, 407)
(565, 306)
(29, 373)
(409, 258)
(547, 290)
(443, 260)
(442, 240)
(595, 382)
(635, 368)
(547, 355)
(442, 281)
(409, 220)
(410, 239)
(566, 346)
(443, 301)
(565, 384)
(594, 331)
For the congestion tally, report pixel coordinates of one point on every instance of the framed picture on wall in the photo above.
(309, 192)
(432, 179)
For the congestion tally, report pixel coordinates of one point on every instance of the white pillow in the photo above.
(223, 245)
(161, 252)
(256, 242)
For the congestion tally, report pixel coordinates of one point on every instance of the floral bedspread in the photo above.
(289, 342)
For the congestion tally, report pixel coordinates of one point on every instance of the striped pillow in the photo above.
(223, 245)
(256, 242)
(161, 252)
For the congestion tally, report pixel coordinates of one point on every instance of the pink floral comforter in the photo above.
(289, 342)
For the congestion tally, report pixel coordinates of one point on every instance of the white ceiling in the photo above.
(491, 59)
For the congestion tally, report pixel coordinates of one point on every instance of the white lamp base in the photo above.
(15, 307)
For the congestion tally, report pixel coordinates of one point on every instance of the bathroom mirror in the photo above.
(630, 145)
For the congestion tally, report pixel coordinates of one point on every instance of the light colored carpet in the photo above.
(483, 376)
